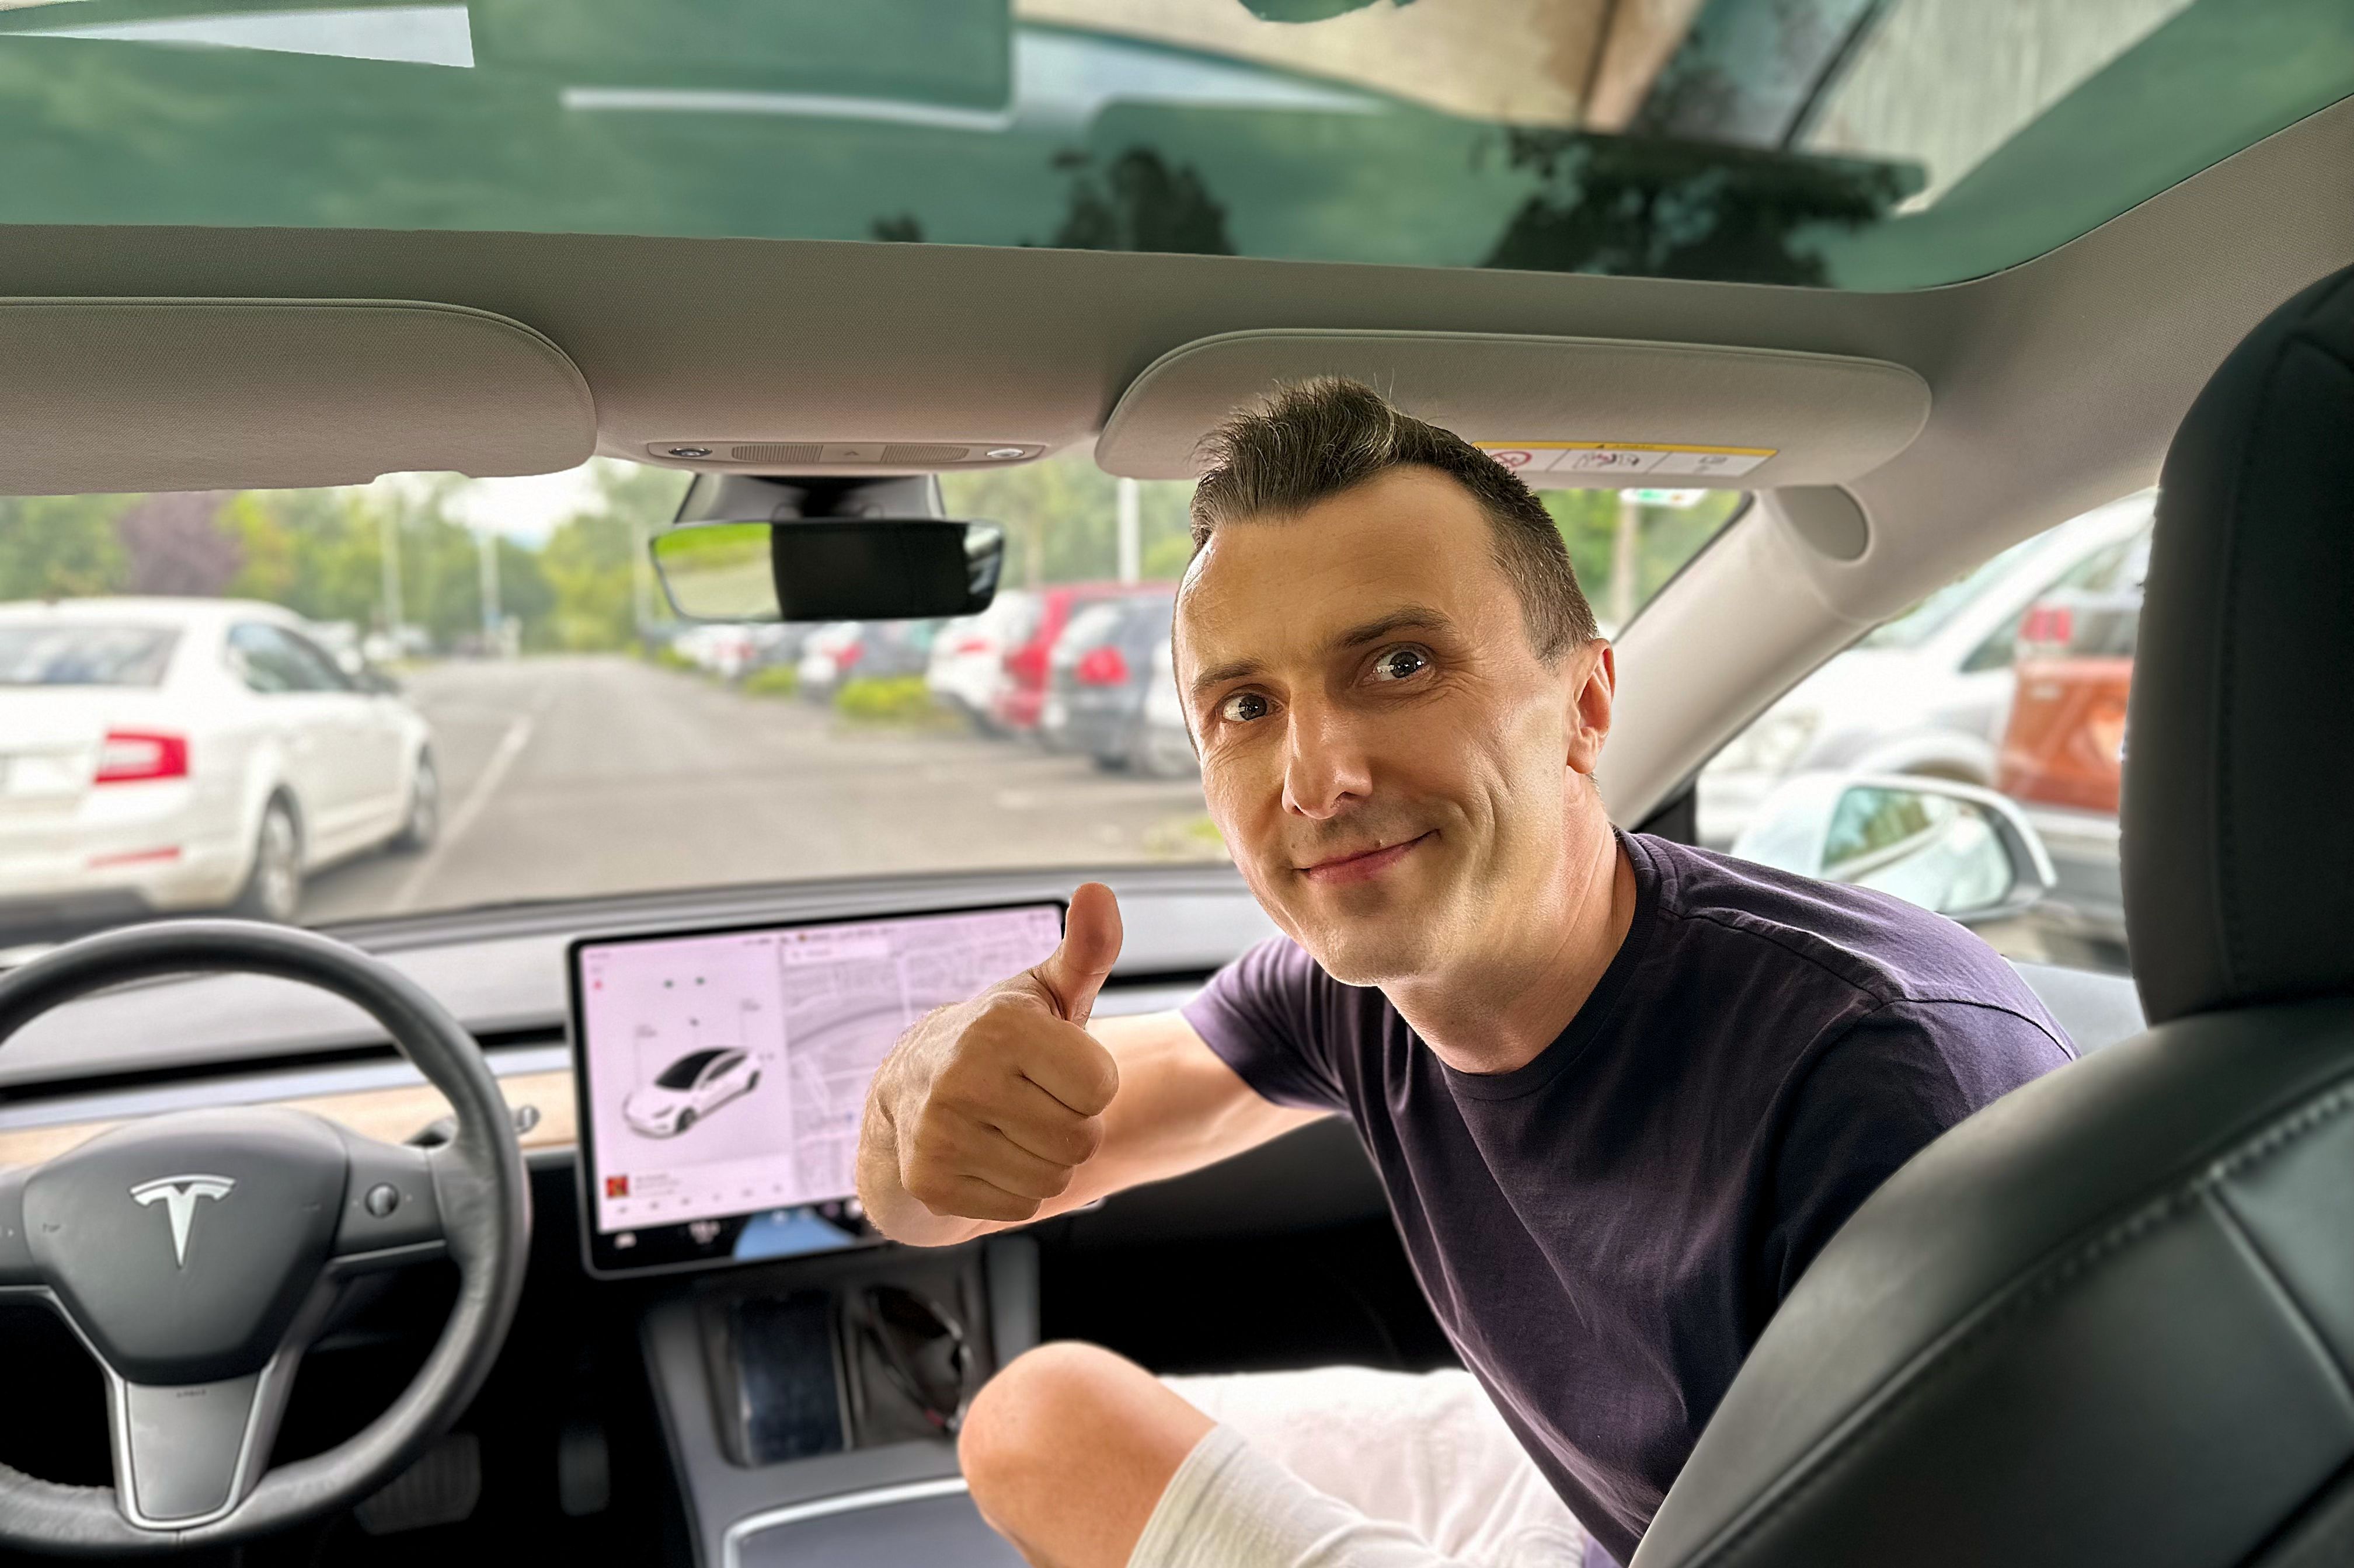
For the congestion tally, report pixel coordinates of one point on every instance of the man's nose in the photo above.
(1325, 767)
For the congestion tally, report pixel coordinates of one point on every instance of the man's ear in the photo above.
(1590, 685)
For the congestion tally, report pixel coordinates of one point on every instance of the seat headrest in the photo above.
(2238, 817)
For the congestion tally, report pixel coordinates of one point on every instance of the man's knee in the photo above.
(1038, 1414)
(1067, 1422)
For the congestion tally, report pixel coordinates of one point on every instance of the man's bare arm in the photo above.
(1008, 1108)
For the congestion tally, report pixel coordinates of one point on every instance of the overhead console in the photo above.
(1566, 412)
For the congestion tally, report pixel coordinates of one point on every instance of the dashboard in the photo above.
(244, 1040)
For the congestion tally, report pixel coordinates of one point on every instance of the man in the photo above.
(1620, 1091)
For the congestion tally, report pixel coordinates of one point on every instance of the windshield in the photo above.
(1855, 143)
(433, 694)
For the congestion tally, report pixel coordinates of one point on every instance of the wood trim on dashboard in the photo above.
(390, 1115)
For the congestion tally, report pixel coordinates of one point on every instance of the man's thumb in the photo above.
(1075, 971)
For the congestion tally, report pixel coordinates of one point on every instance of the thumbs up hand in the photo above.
(986, 1109)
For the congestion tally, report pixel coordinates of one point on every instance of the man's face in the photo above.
(1393, 768)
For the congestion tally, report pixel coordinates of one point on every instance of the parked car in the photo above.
(185, 754)
(1019, 703)
(690, 1089)
(2062, 752)
(968, 671)
(842, 649)
(1928, 693)
(1163, 746)
(1098, 673)
(725, 648)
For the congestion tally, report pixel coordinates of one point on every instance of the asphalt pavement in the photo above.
(568, 777)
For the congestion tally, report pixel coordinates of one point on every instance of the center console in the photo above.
(792, 1439)
(810, 1377)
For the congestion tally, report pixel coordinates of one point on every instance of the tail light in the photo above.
(128, 756)
(849, 655)
(1104, 666)
(2047, 625)
(972, 645)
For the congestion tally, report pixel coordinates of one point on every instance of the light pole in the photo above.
(486, 545)
(387, 530)
(1131, 545)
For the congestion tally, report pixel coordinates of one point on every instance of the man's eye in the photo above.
(1243, 707)
(1399, 663)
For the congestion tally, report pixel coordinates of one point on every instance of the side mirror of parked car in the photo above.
(1966, 853)
(864, 568)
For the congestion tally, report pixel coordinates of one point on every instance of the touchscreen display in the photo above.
(722, 1075)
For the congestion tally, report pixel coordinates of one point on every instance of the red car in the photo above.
(1018, 702)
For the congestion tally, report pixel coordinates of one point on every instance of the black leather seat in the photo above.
(2110, 1318)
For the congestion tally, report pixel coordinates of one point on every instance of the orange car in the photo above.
(2065, 742)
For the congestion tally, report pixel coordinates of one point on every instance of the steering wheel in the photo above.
(197, 1254)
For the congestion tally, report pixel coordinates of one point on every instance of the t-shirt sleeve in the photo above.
(1258, 1013)
(1879, 1095)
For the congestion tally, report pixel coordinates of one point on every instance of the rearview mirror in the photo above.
(1966, 853)
(861, 568)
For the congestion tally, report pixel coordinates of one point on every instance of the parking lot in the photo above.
(566, 776)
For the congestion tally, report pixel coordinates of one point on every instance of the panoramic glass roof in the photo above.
(1853, 143)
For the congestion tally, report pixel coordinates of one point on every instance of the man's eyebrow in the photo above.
(1232, 669)
(1403, 618)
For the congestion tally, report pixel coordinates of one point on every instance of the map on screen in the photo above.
(725, 1074)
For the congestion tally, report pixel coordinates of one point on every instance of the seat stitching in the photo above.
(1938, 1363)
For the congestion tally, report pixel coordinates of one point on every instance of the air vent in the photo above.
(915, 451)
(779, 452)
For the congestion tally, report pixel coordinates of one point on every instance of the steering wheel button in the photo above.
(382, 1199)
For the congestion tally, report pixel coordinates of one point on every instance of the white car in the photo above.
(968, 664)
(690, 1089)
(1927, 693)
(163, 755)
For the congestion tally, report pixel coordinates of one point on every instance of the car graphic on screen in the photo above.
(690, 1089)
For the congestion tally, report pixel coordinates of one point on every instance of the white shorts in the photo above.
(1349, 1467)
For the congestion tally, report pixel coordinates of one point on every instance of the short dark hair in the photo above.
(1312, 440)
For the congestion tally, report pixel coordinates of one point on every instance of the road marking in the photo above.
(511, 745)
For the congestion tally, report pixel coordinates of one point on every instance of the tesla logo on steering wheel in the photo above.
(178, 1194)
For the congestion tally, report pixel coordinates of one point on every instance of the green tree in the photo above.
(591, 560)
(1062, 519)
(60, 546)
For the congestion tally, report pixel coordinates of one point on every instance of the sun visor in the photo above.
(147, 395)
(1565, 412)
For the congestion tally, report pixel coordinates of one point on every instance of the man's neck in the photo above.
(1501, 1015)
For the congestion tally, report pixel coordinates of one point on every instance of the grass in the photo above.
(770, 681)
(1185, 838)
(900, 701)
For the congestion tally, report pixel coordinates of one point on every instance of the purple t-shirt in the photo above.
(1605, 1231)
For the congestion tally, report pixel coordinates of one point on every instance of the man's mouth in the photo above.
(1358, 865)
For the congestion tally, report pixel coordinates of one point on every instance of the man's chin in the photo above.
(1365, 935)
(1370, 954)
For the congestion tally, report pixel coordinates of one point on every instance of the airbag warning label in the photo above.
(1605, 458)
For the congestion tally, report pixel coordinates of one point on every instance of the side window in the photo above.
(267, 660)
(325, 675)
(272, 660)
(1817, 784)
